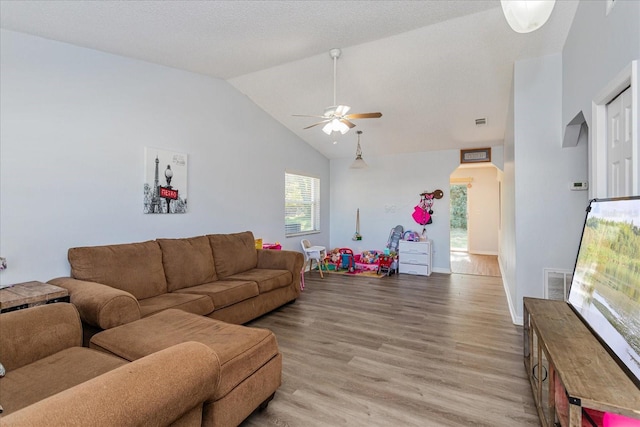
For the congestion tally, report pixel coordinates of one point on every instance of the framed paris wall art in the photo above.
(165, 184)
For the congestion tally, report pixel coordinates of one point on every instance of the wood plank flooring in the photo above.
(481, 265)
(398, 351)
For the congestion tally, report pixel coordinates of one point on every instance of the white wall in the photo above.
(598, 47)
(548, 215)
(507, 256)
(387, 193)
(483, 208)
(542, 219)
(74, 124)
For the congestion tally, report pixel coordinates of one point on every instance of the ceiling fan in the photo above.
(335, 118)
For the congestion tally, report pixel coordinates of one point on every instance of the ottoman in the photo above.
(250, 363)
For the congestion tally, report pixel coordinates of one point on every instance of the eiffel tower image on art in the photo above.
(155, 200)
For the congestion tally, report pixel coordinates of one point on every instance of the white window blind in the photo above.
(301, 204)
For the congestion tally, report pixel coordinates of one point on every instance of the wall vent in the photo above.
(557, 283)
(482, 121)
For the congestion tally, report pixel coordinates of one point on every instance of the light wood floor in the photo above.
(399, 351)
(481, 265)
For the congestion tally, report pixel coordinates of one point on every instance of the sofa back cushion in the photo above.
(233, 253)
(132, 267)
(187, 262)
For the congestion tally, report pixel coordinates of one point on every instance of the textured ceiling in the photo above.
(431, 67)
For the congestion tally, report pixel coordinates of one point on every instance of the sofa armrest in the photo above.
(35, 333)
(100, 305)
(282, 260)
(154, 390)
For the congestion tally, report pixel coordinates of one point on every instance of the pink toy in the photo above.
(615, 420)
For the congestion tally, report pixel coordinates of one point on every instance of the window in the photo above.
(301, 204)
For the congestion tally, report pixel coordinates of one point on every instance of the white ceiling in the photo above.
(431, 67)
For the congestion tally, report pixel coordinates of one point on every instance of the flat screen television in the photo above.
(605, 289)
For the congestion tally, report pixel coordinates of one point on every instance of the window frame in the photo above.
(313, 203)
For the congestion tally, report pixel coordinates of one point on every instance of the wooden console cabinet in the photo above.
(571, 372)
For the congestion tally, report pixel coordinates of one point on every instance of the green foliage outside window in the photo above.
(459, 206)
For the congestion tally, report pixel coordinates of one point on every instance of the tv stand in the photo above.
(572, 375)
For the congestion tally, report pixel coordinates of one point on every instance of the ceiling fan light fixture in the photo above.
(335, 125)
(359, 162)
(525, 16)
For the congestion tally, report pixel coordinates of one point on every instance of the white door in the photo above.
(619, 146)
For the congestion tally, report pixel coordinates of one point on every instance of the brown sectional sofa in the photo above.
(138, 298)
(52, 380)
(222, 276)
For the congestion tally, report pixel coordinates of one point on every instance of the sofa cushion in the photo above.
(196, 304)
(233, 253)
(30, 335)
(162, 389)
(132, 267)
(241, 350)
(267, 279)
(53, 374)
(225, 292)
(187, 262)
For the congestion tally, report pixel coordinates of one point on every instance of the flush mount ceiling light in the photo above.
(525, 16)
(358, 163)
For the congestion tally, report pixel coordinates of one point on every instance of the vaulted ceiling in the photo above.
(431, 67)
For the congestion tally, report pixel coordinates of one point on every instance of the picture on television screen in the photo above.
(605, 289)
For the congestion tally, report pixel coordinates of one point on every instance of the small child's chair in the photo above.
(311, 253)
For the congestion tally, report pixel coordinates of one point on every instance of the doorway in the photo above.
(474, 220)
(459, 235)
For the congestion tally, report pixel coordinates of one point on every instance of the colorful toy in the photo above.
(334, 256)
(348, 262)
(411, 236)
(394, 238)
(386, 264)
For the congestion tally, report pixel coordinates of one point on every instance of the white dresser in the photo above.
(415, 257)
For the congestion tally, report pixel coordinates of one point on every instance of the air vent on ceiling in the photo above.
(482, 121)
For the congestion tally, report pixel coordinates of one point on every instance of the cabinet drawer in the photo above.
(410, 258)
(420, 270)
(414, 247)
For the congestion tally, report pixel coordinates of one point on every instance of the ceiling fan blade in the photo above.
(342, 110)
(347, 122)
(316, 124)
(363, 116)
(308, 115)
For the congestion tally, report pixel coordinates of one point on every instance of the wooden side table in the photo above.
(30, 294)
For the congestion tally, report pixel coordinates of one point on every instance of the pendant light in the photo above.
(359, 163)
(525, 16)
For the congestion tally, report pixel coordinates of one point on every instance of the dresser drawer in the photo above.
(410, 258)
(414, 247)
(420, 270)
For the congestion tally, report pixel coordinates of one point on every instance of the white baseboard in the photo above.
(441, 270)
(484, 253)
(517, 320)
